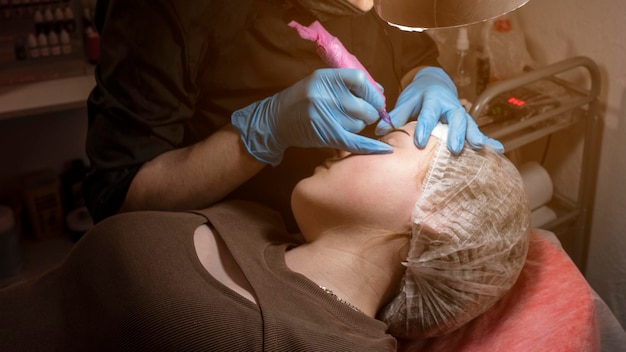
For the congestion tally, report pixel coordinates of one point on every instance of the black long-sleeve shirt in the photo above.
(172, 72)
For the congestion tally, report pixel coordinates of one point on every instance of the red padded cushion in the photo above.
(550, 308)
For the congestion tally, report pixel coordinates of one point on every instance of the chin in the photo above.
(300, 207)
(297, 197)
(364, 5)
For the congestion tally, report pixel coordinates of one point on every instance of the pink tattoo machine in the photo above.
(335, 55)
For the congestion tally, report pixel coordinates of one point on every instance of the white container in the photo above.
(10, 251)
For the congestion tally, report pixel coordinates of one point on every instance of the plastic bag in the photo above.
(505, 45)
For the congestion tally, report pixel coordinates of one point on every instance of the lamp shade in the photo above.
(422, 14)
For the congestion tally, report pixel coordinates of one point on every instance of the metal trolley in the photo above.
(537, 115)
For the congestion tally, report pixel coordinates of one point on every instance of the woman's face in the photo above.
(377, 191)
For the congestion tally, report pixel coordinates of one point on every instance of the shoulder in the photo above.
(240, 211)
(136, 229)
(141, 219)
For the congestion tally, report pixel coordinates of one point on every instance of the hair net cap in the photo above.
(469, 242)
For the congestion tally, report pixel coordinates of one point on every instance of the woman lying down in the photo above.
(409, 245)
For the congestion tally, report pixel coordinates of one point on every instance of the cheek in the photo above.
(380, 193)
(396, 200)
(338, 190)
(340, 184)
(384, 198)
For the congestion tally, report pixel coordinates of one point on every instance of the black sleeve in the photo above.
(146, 90)
(418, 49)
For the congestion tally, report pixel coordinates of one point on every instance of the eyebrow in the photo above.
(386, 135)
(397, 130)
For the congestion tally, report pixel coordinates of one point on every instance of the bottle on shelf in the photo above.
(38, 19)
(462, 74)
(33, 46)
(70, 22)
(48, 21)
(91, 37)
(42, 42)
(66, 45)
(53, 42)
(59, 20)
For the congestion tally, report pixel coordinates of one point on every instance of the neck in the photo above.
(360, 271)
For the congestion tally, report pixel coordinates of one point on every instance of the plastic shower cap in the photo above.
(469, 242)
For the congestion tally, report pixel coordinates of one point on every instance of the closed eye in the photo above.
(386, 137)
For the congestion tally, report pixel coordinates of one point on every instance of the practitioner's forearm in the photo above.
(193, 177)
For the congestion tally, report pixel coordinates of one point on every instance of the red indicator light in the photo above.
(517, 102)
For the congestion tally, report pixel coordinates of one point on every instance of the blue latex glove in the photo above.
(430, 97)
(326, 109)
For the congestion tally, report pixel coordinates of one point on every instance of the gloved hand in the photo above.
(326, 109)
(430, 97)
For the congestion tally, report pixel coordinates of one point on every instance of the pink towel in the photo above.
(550, 308)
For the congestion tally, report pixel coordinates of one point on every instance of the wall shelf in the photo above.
(45, 96)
